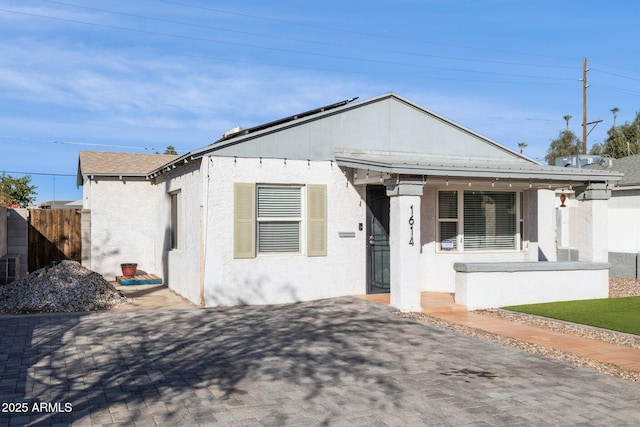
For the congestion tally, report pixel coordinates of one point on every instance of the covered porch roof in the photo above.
(371, 165)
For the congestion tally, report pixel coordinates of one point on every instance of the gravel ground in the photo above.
(617, 288)
(64, 286)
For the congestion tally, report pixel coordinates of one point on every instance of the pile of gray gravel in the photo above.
(64, 286)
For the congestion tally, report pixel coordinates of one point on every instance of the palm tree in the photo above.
(615, 110)
(566, 119)
(522, 145)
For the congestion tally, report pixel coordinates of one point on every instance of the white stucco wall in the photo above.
(482, 290)
(624, 228)
(547, 244)
(592, 220)
(123, 220)
(284, 278)
(180, 267)
(18, 236)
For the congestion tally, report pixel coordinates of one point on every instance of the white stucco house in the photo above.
(378, 195)
(624, 210)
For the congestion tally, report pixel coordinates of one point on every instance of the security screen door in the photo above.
(378, 278)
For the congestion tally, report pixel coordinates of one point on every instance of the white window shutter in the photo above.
(244, 220)
(317, 220)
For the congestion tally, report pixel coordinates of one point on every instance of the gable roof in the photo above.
(386, 122)
(383, 123)
(104, 163)
(381, 133)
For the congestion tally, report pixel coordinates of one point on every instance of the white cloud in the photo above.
(134, 89)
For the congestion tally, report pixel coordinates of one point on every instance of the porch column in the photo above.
(593, 222)
(546, 221)
(404, 242)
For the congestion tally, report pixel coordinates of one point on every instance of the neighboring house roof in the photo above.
(60, 204)
(630, 167)
(102, 163)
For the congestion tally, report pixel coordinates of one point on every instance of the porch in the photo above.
(430, 302)
(463, 212)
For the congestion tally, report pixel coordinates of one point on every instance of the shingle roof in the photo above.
(120, 164)
(630, 167)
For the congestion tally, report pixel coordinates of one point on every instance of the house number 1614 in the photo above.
(411, 221)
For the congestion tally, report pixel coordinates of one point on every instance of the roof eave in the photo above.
(120, 176)
(627, 187)
(561, 174)
(182, 160)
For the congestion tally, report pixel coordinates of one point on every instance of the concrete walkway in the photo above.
(623, 357)
(338, 362)
(152, 297)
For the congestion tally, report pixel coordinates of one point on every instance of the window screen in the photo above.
(448, 219)
(489, 220)
(279, 215)
(173, 226)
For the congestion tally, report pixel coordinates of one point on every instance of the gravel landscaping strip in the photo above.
(618, 288)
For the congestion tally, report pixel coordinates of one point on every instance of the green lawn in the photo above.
(617, 314)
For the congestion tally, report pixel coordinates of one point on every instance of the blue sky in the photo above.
(141, 75)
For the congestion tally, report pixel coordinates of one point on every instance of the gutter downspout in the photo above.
(204, 228)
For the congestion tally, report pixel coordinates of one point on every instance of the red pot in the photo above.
(129, 269)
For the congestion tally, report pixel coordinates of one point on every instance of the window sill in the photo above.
(488, 251)
(278, 254)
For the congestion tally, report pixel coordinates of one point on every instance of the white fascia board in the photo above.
(628, 187)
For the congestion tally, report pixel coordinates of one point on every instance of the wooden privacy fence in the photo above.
(54, 235)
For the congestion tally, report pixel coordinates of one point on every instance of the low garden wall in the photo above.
(493, 285)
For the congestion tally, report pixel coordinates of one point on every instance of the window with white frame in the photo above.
(521, 220)
(448, 219)
(479, 220)
(279, 215)
(173, 219)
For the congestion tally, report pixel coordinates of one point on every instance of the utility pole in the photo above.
(584, 105)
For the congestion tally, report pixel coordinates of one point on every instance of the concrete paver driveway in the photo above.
(335, 362)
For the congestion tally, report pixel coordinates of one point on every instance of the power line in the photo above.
(350, 58)
(616, 67)
(364, 33)
(104, 145)
(616, 75)
(288, 38)
(616, 89)
(202, 39)
(91, 144)
(38, 173)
